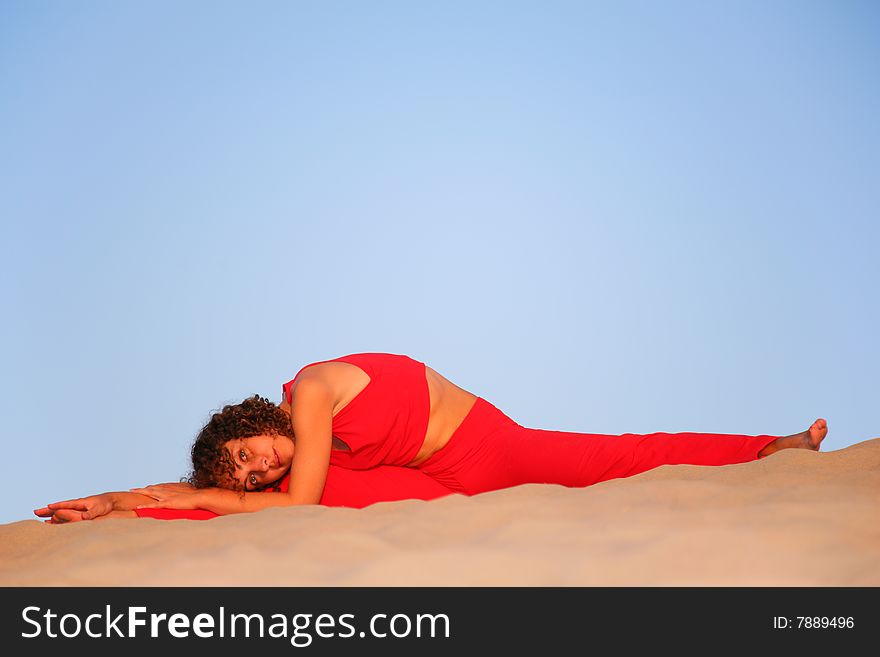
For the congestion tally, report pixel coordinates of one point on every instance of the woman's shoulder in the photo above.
(333, 371)
(364, 358)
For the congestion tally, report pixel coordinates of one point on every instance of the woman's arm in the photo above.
(312, 417)
(221, 501)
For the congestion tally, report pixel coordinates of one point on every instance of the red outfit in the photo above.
(386, 424)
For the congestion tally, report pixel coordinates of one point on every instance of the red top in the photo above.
(387, 421)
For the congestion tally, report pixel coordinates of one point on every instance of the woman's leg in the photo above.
(582, 459)
(384, 483)
(490, 451)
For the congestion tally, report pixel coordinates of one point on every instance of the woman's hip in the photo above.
(474, 451)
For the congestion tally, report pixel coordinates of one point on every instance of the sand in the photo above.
(796, 518)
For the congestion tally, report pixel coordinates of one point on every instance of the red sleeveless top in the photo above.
(387, 421)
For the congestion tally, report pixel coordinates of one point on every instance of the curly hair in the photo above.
(212, 464)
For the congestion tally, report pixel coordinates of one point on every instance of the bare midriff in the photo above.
(449, 404)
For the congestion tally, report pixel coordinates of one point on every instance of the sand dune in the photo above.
(796, 518)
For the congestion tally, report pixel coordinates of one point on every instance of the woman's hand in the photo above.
(170, 496)
(82, 508)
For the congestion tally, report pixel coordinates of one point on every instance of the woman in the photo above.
(364, 411)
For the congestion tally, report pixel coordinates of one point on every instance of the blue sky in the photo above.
(601, 217)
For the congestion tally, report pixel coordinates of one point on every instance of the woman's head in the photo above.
(244, 446)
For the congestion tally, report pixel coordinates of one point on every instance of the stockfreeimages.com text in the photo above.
(299, 628)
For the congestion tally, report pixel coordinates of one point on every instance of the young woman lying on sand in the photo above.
(366, 411)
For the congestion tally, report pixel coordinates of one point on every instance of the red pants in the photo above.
(490, 451)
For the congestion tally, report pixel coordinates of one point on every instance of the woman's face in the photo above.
(260, 460)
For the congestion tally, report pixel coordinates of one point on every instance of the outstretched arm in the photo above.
(221, 501)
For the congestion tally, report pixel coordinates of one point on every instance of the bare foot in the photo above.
(809, 439)
(816, 434)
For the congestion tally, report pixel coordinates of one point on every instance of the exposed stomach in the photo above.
(450, 404)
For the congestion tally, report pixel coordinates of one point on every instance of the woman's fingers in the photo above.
(67, 504)
(146, 490)
(149, 492)
(170, 502)
(79, 503)
(158, 492)
(83, 508)
(171, 496)
(62, 516)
